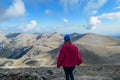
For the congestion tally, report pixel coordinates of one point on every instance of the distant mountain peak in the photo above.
(96, 39)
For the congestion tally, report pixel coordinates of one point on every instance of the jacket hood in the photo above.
(69, 47)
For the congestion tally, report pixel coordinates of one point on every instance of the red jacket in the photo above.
(69, 56)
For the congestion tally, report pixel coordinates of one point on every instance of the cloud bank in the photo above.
(15, 10)
(48, 12)
(93, 5)
(70, 4)
(94, 21)
(65, 20)
(31, 26)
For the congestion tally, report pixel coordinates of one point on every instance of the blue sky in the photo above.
(63, 16)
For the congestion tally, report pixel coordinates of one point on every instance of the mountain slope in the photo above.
(95, 39)
(42, 49)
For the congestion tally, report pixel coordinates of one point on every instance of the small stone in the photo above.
(50, 72)
(44, 78)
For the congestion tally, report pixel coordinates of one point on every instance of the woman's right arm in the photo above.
(60, 58)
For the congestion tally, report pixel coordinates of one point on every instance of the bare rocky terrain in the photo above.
(96, 72)
(33, 56)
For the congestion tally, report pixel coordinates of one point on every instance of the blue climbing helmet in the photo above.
(66, 37)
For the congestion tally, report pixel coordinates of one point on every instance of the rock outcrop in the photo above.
(105, 72)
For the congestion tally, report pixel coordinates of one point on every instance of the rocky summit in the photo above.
(104, 72)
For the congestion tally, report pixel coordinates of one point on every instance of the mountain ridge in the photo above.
(43, 49)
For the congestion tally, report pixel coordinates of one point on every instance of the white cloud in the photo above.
(94, 5)
(48, 11)
(65, 20)
(53, 27)
(38, 1)
(69, 29)
(94, 12)
(118, 1)
(14, 10)
(112, 16)
(93, 22)
(118, 4)
(70, 4)
(17, 9)
(89, 5)
(2, 29)
(118, 7)
(31, 26)
(96, 20)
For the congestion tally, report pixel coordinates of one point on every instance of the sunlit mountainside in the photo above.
(38, 49)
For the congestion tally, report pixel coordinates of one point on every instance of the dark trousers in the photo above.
(69, 72)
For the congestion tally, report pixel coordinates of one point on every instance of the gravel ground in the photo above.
(96, 72)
